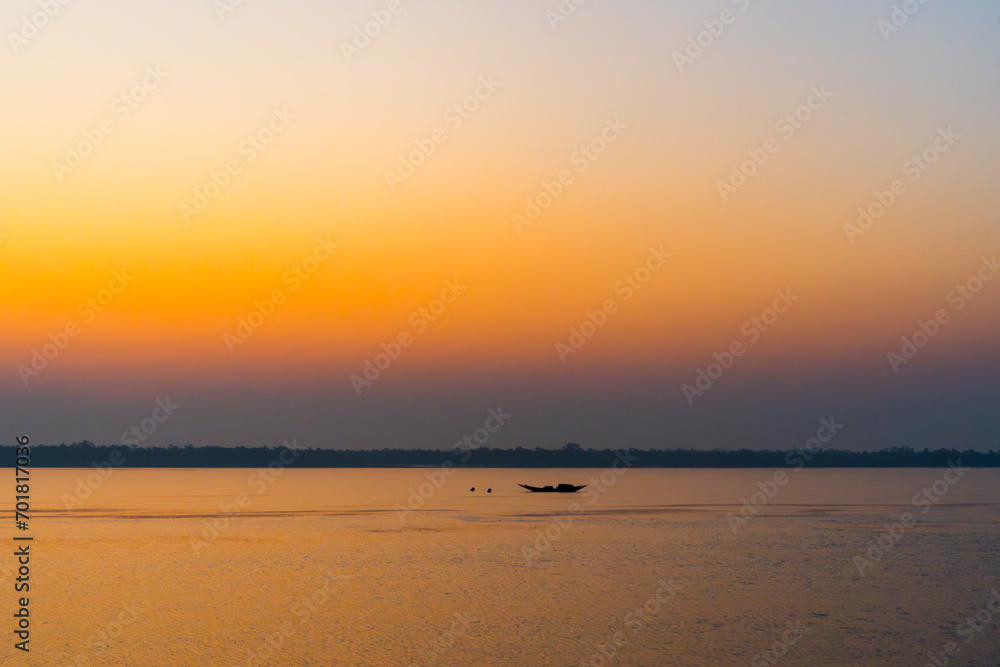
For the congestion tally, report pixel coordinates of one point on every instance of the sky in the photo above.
(366, 224)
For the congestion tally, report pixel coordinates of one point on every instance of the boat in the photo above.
(562, 488)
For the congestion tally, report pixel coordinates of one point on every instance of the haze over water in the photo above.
(467, 578)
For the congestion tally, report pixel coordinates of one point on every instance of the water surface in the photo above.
(327, 567)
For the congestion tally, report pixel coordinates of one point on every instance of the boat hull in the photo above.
(562, 488)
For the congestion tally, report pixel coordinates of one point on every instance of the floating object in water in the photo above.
(562, 488)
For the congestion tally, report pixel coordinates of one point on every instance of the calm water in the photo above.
(316, 567)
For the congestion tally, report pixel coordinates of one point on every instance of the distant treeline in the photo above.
(86, 454)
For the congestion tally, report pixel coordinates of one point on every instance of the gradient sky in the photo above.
(656, 185)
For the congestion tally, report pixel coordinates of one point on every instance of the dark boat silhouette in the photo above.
(562, 488)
